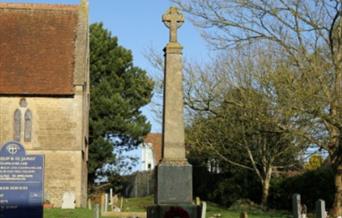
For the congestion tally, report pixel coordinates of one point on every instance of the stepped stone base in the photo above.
(174, 184)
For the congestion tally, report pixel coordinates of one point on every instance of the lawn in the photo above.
(140, 204)
(233, 213)
(59, 213)
(137, 204)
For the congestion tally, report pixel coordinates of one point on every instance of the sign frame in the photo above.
(21, 182)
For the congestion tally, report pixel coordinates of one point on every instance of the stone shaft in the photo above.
(173, 123)
(173, 195)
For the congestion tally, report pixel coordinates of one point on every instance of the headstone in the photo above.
(320, 209)
(173, 196)
(21, 182)
(97, 211)
(198, 201)
(68, 200)
(110, 196)
(89, 204)
(102, 203)
(121, 203)
(244, 215)
(116, 209)
(296, 206)
(115, 200)
(304, 211)
(106, 203)
(204, 209)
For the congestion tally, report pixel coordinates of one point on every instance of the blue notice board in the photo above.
(21, 182)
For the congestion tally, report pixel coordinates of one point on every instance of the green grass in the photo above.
(67, 213)
(137, 204)
(140, 205)
(213, 209)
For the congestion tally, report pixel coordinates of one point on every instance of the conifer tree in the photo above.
(118, 90)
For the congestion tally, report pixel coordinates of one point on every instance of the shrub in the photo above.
(225, 188)
(311, 185)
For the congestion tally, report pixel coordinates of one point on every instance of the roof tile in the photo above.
(37, 45)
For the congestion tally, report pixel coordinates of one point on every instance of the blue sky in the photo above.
(138, 26)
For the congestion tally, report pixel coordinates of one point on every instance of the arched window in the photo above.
(28, 126)
(17, 125)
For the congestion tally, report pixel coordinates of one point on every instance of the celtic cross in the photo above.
(173, 19)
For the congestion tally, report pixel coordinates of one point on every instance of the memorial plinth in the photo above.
(173, 195)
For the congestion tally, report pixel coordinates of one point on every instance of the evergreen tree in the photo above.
(118, 90)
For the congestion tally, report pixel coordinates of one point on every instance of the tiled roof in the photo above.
(37, 48)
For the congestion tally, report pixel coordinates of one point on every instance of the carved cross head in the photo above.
(173, 19)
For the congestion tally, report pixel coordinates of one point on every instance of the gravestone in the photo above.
(173, 196)
(21, 182)
(304, 211)
(320, 209)
(110, 196)
(102, 203)
(106, 203)
(244, 215)
(96, 211)
(204, 209)
(115, 200)
(296, 206)
(68, 200)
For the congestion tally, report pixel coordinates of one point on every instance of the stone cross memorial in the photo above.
(21, 182)
(173, 195)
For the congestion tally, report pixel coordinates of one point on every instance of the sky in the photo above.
(138, 26)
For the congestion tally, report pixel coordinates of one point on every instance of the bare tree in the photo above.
(251, 74)
(236, 110)
(308, 34)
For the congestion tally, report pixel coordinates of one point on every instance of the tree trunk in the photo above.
(337, 206)
(266, 187)
(336, 111)
(337, 165)
(336, 160)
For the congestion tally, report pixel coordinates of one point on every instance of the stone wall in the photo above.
(59, 132)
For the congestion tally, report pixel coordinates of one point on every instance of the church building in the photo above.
(44, 91)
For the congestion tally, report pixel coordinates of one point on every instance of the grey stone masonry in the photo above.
(174, 184)
(173, 122)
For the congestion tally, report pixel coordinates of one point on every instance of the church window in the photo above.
(23, 102)
(28, 126)
(17, 125)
